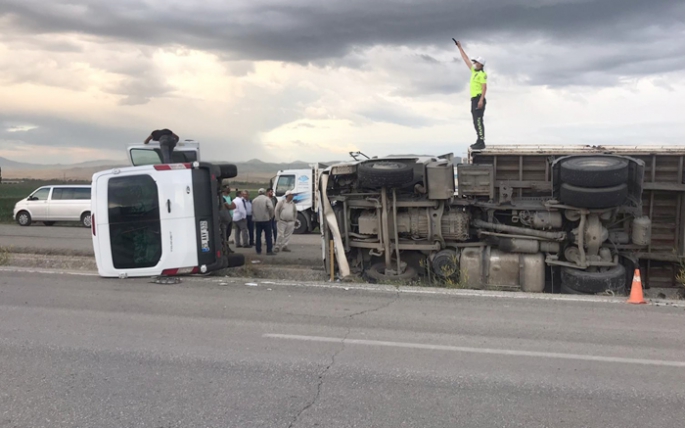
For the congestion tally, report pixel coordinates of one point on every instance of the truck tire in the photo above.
(565, 290)
(384, 173)
(594, 171)
(377, 272)
(301, 224)
(585, 282)
(227, 170)
(23, 218)
(593, 197)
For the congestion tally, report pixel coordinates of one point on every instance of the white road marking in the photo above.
(491, 351)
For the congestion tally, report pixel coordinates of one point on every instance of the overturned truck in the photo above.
(575, 220)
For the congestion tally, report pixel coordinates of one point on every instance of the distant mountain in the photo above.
(6, 163)
(10, 164)
(254, 170)
(106, 163)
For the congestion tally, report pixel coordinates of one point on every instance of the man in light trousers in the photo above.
(240, 220)
(286, 214)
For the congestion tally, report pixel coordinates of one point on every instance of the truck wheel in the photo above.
(384, 173)
(565, 290)
(301, 224)
(86, 220)
(594, 171)
(24, 218)
(585, 282)
(377, 272)
(588, 197)
(227, 170)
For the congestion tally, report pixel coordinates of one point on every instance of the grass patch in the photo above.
(450, 275)
(5, 256)
(680, 280)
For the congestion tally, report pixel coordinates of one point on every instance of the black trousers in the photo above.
(250, 229)
(477, 114)
(274, 228)
(265, 227)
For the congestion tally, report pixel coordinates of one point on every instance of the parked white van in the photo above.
(160, 220)
(51, 204)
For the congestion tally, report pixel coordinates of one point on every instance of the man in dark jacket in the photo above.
(262, 213)
(274, 201)
(167, 141)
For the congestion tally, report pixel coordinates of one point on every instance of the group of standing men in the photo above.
(263, 215)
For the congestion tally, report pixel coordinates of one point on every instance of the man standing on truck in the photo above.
(478, 87)
(167, 141)
(286, 213)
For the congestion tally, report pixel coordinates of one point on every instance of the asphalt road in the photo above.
(75, 240)
(80, 351)
(66, 239)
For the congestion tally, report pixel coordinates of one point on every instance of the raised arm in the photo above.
(465, 57)
(147, 140)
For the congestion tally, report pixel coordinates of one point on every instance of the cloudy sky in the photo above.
(282, 80)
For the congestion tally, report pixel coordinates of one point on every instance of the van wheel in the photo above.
(385, 173)
(301, 225)
(85, 220)
(49, 223)
(24, 218)
(227, 170)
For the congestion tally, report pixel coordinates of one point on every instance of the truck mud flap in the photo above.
(332, 222)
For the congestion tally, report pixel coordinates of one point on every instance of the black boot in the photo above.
(478, 145)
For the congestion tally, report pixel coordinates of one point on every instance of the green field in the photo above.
(11, 193)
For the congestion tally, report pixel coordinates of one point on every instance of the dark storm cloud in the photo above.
(299, 31)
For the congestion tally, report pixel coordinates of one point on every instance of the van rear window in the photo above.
(134, 224)
(70, 193)
(153, 156)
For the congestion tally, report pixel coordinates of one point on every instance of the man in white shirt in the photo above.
(286, 214)
(242, 238)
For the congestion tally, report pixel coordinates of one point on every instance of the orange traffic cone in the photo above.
(636, 296)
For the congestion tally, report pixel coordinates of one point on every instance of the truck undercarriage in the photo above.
(575, 220)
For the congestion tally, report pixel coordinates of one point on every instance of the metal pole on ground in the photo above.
(331, 247)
